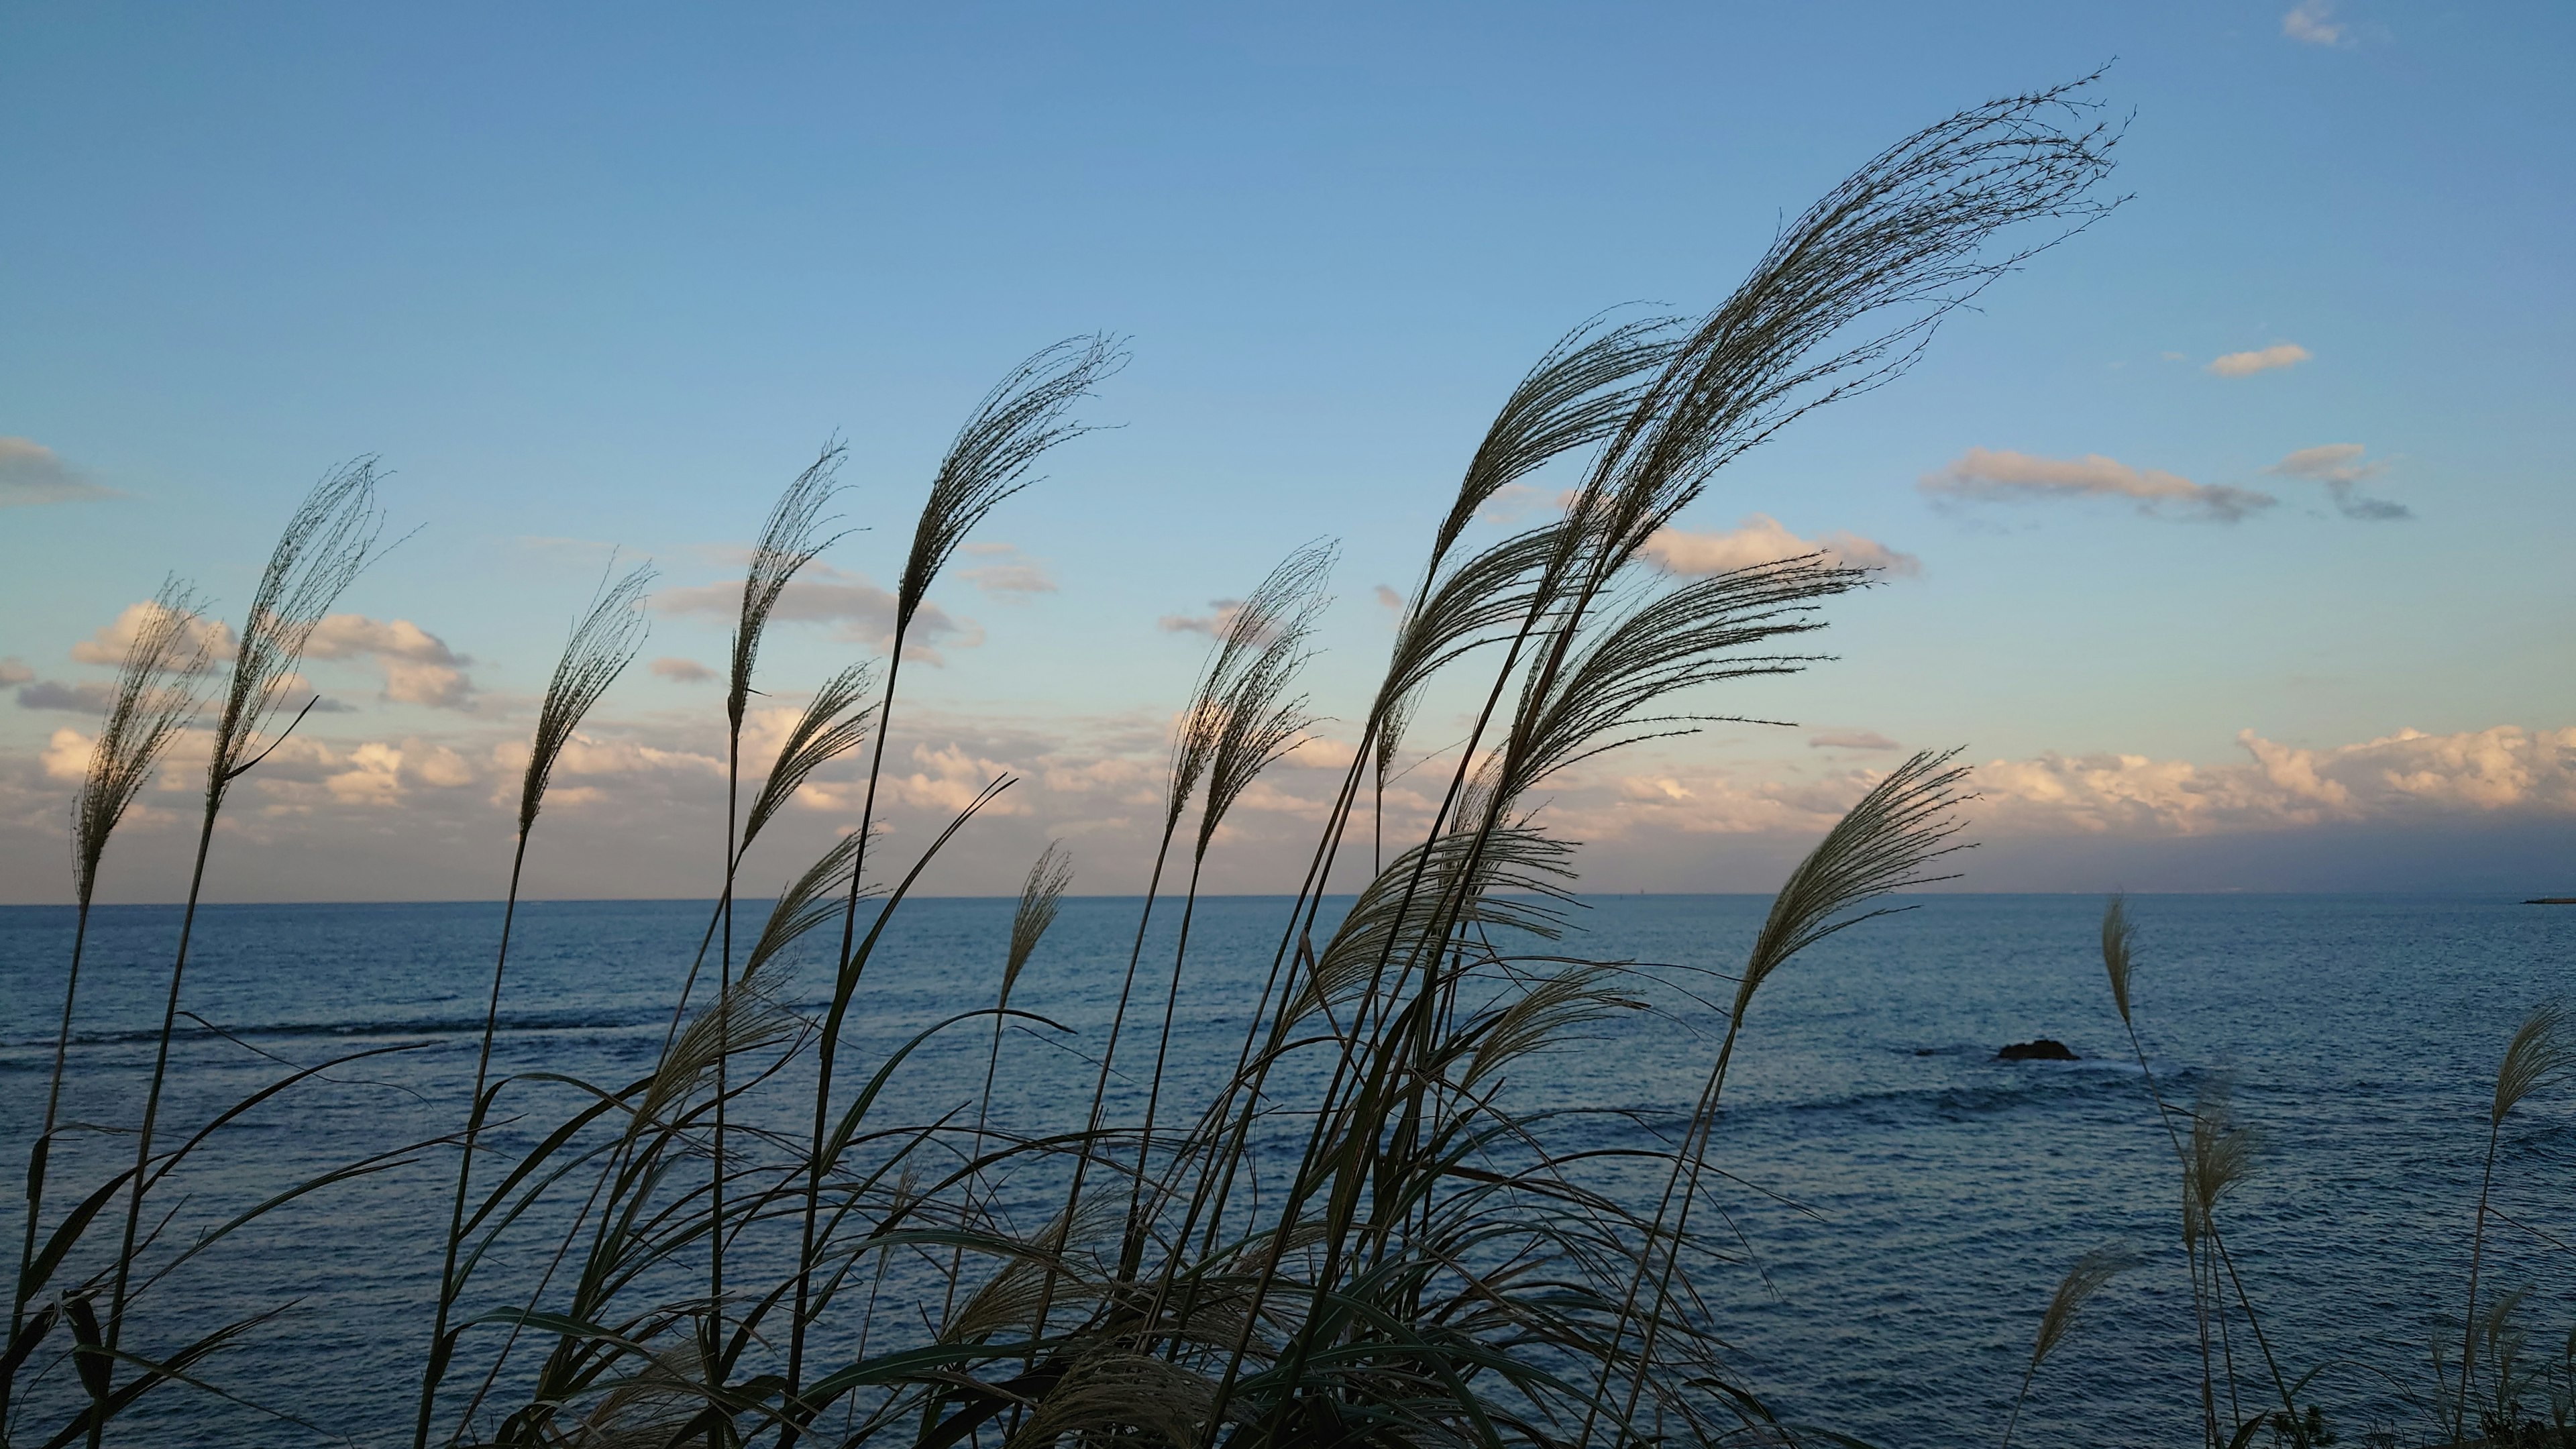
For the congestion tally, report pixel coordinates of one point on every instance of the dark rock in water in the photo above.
(2046, 1049)
(2551, 901)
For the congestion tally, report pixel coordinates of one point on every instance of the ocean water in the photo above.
(1898, 1202)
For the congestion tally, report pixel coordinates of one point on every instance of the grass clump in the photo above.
(744, 1244)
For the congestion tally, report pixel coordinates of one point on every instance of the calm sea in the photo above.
(1899, 1203)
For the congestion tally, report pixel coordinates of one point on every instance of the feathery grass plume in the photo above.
(2222, 1156)
(833, 723)
(1041, 895)
(790, 539)
(2081, 1282)
(1273, 618)
(602, 645)
(1020, 419)
(1540, 1017)
(1261, 723)
(1882, 844)
(2537, 1055)
(1575, 395)
(810, 900)
(2117, 937)
(155, 699)
(1687, 636)
(1518, 882)
(327, 542)
(1911, 233)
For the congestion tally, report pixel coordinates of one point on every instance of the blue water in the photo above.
(1899, 1203)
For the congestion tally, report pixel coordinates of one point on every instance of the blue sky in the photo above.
(609, 275)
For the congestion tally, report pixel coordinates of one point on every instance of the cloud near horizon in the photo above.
(1999, 475)
(631, 798)
(31, 473)
(1760, 539)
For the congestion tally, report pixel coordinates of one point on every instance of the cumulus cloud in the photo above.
(822, 594)
(2341, 468)
(419, 667)
(2404, 777)
(1760, 539)
(66, 755)
(211, 638)
(686, 671)
(1009, 574)
(32, 473)
(2261, 359)
(2311, 22)
(14, 671)
(1851, 740)
(1998, 475)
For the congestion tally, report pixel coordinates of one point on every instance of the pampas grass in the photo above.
(1431, 1266)
(2090, 1274)
(326, 544)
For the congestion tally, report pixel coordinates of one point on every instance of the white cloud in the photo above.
(1851, 740)
(2261, 359)
(212, 637)
(825, 595)
(419, 667)
(949, 778)
(1760, 539)
(2341, 468)
(1011, 574)
(373, 776)
(2401, 777)
(444, 768)
(686, 671)
(15, 671)
(2000, 475)
(31, 473)
(2311, 22)
(66, 755)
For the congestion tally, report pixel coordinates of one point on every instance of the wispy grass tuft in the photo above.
(2089, 1276)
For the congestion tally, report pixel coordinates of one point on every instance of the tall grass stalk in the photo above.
(156, 698)
(990, 460)
(2089, 1275)
(326, 544)
(2209, 1163)
(601, 646)
(2537, 1055)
